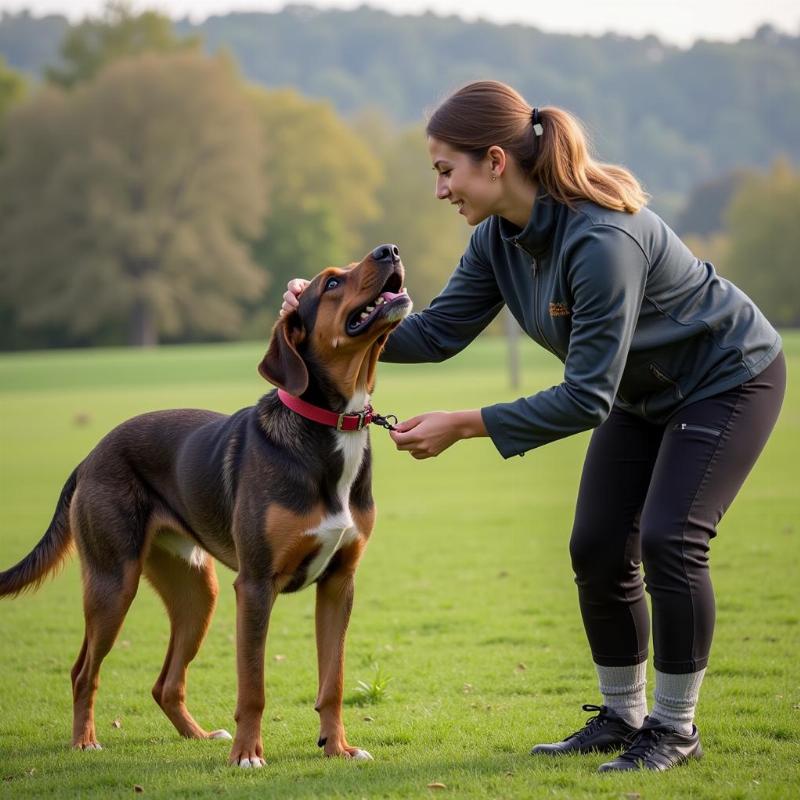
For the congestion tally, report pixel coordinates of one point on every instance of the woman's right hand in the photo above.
(294, 289)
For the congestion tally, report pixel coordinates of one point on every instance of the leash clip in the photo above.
(388, 422)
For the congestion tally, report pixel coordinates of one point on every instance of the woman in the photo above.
(678, 372)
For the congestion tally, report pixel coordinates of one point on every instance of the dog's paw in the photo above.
(87, 746)
(246, 756)
(247, 763)
(220, 734)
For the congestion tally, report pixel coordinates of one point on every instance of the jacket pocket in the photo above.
(663, 391)
(666, 380)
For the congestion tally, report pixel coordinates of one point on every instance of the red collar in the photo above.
(342, 422)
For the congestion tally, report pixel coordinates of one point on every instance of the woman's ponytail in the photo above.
(489, 113)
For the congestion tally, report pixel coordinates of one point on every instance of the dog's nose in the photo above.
(386, 252)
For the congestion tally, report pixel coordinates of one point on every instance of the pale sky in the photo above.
(677, 21)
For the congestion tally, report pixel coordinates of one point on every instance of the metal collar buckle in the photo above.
(360, 415)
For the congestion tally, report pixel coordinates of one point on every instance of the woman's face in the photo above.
(465, 183)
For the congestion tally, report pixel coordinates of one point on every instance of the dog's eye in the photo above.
(331, 283)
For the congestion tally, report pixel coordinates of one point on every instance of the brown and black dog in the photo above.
(282, 500)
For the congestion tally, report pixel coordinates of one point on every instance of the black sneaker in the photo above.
(657, 746)
(603, 732)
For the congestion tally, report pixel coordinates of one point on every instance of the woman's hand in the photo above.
(429, 434)
(294, 289)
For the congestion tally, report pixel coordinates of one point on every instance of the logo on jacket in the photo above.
(559, 310)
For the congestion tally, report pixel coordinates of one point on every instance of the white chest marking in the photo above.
(337, 530)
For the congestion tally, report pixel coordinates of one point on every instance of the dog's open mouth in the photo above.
(392, 303)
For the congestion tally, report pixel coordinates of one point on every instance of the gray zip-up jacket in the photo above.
(638, 321)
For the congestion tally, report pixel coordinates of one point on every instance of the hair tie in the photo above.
(536, 119)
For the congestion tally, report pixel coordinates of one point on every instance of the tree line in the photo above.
(674, 116)
(149, 192)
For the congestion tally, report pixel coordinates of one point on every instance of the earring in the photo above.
(494, 178)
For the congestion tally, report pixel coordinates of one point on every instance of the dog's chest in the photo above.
(337, 529)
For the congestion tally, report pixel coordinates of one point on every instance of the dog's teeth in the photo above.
(380, 301)
(364, 315)
(370, 308)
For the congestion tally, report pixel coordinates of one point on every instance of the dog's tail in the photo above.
(49, 553)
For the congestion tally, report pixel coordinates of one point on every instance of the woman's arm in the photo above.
(467, 304)
(607, 273)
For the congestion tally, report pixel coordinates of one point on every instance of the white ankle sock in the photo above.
(676, 699)
(623, 690)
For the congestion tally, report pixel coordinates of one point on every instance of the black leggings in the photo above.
(653, 495)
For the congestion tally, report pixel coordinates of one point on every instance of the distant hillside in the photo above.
(675, 116)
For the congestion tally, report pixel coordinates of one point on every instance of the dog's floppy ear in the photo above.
(282, 365)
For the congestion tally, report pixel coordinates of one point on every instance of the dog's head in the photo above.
(338, 330)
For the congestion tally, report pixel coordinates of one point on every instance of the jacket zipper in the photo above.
(683, 426)
(535, 273)
(540, 330)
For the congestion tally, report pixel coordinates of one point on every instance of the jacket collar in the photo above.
(537, 234)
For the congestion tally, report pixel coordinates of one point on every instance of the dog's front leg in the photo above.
(334, 604)
(254, 599)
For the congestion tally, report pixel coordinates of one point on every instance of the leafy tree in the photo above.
(127, 201)
(764, 242)
(117, 33)
(321, 189)
(12, 89)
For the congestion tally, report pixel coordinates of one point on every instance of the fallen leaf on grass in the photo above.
(632, 796)
(520, 667)
(138, 789)
(116, 724)
(279, 658)
(368, 719)
(437, 786)
(467, 688)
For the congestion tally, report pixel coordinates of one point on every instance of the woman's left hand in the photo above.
(429, 434)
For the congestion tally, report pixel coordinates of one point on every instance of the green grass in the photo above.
(464, 598)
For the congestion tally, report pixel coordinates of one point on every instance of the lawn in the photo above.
(464, 599)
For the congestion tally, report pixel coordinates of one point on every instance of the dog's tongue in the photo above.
(389, 296)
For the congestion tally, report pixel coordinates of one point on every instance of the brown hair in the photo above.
(487, 113)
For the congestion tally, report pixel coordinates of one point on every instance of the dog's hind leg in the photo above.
(104, 521)
(190, 594)
(106, 599)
